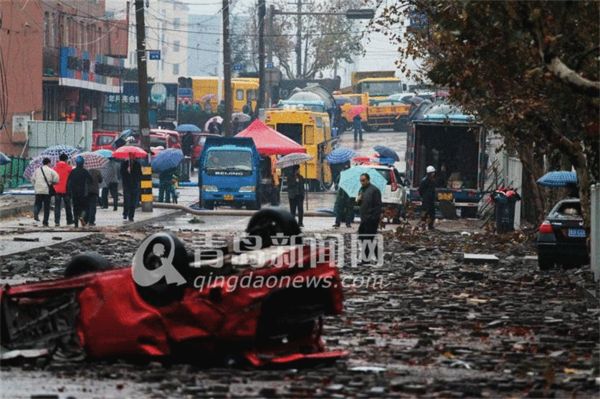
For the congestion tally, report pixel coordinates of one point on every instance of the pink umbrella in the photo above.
(356, 110)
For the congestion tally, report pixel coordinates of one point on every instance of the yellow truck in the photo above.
(376, 113)
(312, 130)
(208, 92)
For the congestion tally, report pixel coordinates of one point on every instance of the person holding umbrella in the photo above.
(131, 176)
(369, 200)
(43, 181)
(165, 188)
(93, 195)
(78, 189)
(344, 205)
(295, 183)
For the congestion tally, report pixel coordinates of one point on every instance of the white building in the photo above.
(166, 30)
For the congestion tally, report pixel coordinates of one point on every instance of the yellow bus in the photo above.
(208, 92)
(313, 131)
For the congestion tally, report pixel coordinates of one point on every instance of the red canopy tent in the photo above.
(269, 141)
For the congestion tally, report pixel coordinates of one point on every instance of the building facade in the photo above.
(21, 36)
(166, 30)
(206, 50)
(82, 60)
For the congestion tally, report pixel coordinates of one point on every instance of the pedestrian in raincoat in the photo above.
(369, 200)
(64, 170)
(78, 189)
(295, 182)
(44, 179)
(357, 126)
(427, 193)
(165, 188)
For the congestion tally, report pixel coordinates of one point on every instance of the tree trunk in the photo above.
(530, 188)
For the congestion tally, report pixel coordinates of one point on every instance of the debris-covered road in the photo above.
(440, 327)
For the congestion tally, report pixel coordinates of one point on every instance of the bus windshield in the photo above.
(380, 88)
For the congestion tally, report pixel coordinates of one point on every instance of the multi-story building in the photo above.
(21, 33)
(166, 30)
(205, 46)
(59, 60)
(82, 59)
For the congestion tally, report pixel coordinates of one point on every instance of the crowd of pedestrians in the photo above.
(80, 190)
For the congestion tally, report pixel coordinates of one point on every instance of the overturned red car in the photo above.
(178, 304)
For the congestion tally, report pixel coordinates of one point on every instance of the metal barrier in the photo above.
(11, 174)
(595, 230)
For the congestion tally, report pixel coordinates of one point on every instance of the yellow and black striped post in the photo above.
(146, 188)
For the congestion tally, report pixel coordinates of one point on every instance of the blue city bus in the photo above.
(229, 173)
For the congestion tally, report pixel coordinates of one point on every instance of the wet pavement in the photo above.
(426, 323)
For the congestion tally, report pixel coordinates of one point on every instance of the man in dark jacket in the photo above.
(369, 200)
(131, 176)
(78, 189)
(93, 194)
(427, 192)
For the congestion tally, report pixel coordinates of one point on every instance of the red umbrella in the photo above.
(129, 151)
(356, 110)
(269, 141)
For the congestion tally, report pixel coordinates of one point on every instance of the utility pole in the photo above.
(262, 10)
(299, 40)
(227, 71)
(271, 34)
(140, 34)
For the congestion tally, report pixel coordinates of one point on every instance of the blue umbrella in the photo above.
(4, 160)
(350, 179)
(56, 150)
(167, 159)
(104, 153)
(188, 127)
(559, 178)
(340, 155)
(386, 152)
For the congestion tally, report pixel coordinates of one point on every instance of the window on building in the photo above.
(175, 69)
(176, 23)
(46, 29)
(176, 46)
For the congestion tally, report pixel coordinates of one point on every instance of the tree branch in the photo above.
(572, 78)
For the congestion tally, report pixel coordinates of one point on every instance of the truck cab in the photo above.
(229, 173)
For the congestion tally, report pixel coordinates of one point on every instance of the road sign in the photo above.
(360, 13)
(154, 54)
(238, 67)
(269, 65)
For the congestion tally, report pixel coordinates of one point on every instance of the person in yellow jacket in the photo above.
(276, 180)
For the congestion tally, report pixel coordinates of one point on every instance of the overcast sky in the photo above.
(380, 53)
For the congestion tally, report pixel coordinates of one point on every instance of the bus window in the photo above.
(309, 135)
(319, 122)
(251, 95)
(239, 95)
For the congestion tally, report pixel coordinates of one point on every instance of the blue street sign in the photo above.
(269, 65)
(238, 67)
(154, 54)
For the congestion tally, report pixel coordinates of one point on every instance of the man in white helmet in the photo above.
(427, 192)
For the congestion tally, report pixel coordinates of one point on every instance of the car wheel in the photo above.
(545, 262)
(88, 262)
(161, 292)
(268, 223)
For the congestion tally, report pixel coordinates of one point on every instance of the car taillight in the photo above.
(545, 228)
(394, 186)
